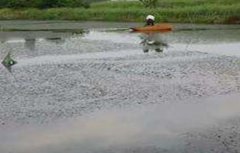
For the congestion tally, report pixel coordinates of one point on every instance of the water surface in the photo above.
(97, 87)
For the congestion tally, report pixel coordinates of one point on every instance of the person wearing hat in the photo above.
(150, 19)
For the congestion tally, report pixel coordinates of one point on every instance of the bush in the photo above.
(43, 4)
(51, 3)
(149, 3)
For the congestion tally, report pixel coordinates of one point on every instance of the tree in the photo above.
(149, 3)
(51, 3)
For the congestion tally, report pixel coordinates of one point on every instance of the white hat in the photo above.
(150, 17)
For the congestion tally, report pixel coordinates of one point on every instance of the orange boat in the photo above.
(164, 27)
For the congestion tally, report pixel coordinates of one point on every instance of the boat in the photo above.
(163, 27)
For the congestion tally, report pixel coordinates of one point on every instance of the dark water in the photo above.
(96, 87)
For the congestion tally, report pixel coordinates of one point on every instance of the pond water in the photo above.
(97, 87)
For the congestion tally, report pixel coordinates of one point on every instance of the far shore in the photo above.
(172, 12)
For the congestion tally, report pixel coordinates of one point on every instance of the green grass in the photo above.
(184, 11)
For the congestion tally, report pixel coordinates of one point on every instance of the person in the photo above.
(150, 19)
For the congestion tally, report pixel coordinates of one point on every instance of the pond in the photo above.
(98, 87)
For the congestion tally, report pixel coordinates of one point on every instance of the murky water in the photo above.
(105, 89)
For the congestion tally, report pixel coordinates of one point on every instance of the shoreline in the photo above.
(80, 26)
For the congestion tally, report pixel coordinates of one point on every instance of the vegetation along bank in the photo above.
(181, 11)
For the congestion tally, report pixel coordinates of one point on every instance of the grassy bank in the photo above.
(188, 11)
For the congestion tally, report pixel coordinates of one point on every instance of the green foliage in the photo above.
(191, 11)
(49, 4)
(117, 5)
(149, 3)
(43, 4)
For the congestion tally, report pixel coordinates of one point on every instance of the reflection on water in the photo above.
(56, 40)
(149, 128)
(153, 41)
(61, 75)
(23, 43)
(26, 43)
(31, 38)
(30, 43)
